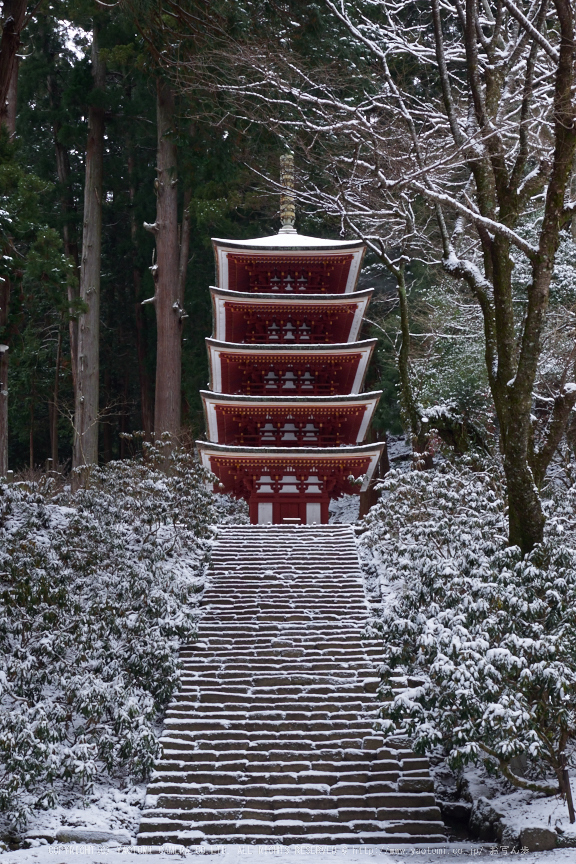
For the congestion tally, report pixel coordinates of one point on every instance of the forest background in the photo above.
(42, 180)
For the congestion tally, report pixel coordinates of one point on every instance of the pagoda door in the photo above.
(289, 510)
(278, 509)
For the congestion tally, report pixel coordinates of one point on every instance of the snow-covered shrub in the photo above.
(97, 592)
(483, 640)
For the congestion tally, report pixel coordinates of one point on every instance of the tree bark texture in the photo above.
(167, 406)
(88, 366)
(54, 408)
(146, 406)
(69, 228)
(13, 15)
(422, 455)
(372, 495)
(4, 363)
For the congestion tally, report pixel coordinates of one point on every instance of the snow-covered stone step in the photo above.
(299, 827)
(261, 650)
(220, 709)
(304, 772)
(276, 646)
(326, 634)
(288, 671)
(285, 756)
(293, 667)
(282, 696)
(273, 736)
(352, 784)
(209, 724)
(192, 837)
(303, 800)
(198, 809)
(323, 712)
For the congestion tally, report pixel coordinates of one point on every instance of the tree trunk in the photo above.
(4, 361)
(67, 202)
(31, 434)
(12, 100)
(87, 390)
(146, 408)
(525, 515)
(54, 411)
(422, 457)
(13, 15)
(167, 408)
(68, 231)
(371, 496)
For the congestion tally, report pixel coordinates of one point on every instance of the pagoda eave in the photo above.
(281, 299)
(238, 367)
(332, 265)
(233, 309)
(359, 461)
(318, 420)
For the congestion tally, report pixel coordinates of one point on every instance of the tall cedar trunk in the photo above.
(146, 409)
(12, 100)
(68, 210)
(4, 306)
(167, 407)
(371, 496)
(55, 406)
(13, 15)
(87, 390)
(70, 246)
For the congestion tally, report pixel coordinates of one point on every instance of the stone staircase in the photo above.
(271, 738)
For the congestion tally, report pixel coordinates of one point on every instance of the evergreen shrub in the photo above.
(481, 640)
(98, 590)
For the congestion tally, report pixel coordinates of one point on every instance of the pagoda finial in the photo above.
(287, 203)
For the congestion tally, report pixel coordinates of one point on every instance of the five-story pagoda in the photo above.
(285, 413)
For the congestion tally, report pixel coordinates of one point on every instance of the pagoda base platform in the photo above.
(289, 509)
(294, 484)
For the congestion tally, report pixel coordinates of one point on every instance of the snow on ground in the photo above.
(399, 451)
(519, 806)
(113, 811)
(344, 510)
(305, 854)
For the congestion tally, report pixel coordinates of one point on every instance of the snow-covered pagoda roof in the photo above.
(289, 241)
